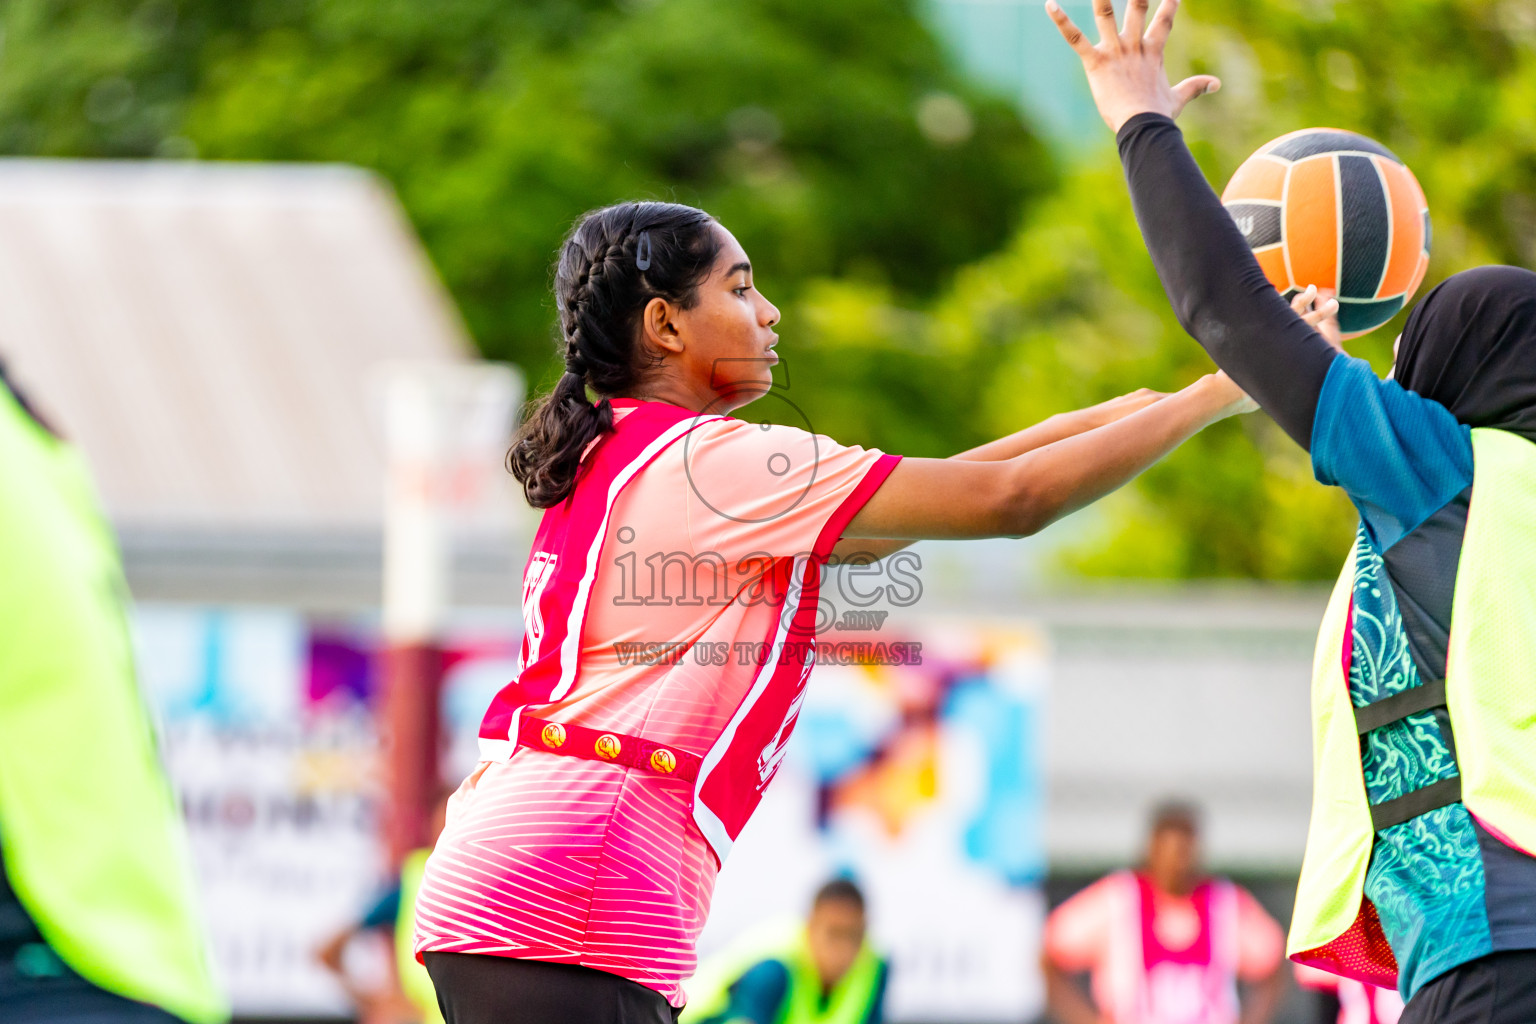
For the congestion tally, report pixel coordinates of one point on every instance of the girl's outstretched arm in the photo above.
(864, 550)
(1061, 426)
(958, 499)
(1318, 313)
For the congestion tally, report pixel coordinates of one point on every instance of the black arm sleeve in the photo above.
(1216, 286)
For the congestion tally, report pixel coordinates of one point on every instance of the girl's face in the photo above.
(722, 347)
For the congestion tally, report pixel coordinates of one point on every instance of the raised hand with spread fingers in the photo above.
(1125, 68)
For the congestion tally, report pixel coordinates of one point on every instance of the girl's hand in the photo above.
(1233, 400)
(1125, 70)
(1122, 406)
(1321, 310)
(1133, 400)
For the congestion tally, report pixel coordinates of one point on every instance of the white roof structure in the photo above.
(209, 333)
(204, 330)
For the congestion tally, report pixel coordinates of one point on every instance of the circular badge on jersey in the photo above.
(663, 761)
(765, 473)
(553, 735)
(607, 746)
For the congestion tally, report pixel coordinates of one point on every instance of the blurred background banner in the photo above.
(923, 783)
(268, 740)
(269, 729)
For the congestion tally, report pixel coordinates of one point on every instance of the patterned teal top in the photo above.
(1426, 875)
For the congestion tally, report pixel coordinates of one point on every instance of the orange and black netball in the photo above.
(1337, 210)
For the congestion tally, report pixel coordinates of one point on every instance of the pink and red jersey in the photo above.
(672, 598)
(1156, 958)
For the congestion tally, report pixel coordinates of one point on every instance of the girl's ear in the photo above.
(658, 326)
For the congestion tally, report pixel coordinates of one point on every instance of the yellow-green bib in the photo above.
(847, 1003)
(1489, 679)
(88, 826)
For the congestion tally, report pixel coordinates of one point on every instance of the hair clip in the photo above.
(643, 251)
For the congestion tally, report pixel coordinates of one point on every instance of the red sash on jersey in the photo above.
(557, 588)
(557, 581)
(1198, 984)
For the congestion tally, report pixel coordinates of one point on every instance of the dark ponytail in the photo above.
(614, 261)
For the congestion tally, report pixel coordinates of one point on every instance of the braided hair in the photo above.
(614, 261)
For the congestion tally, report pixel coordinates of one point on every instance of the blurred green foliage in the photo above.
(833, 138)
(942, 281)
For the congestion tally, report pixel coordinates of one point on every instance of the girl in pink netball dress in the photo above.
(670, 606)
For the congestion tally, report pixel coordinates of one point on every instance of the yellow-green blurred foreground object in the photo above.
(91, 838)
(414, 980)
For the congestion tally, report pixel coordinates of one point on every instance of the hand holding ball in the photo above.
(1339, 212)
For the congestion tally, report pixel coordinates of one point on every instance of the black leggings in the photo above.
(475, 989)
(1496, 989)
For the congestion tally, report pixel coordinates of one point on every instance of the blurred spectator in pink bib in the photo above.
(1164, 944)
